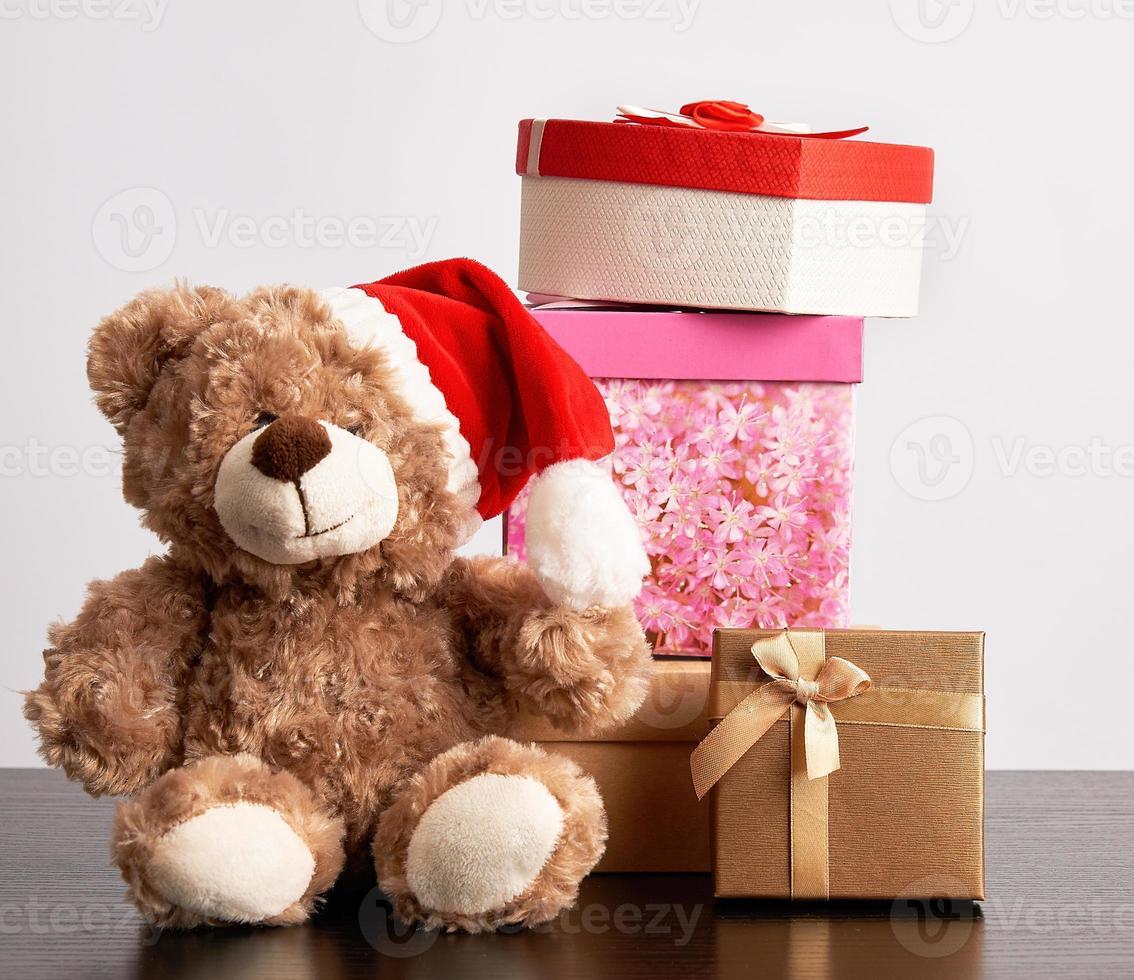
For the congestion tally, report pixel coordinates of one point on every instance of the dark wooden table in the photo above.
(1060, 852)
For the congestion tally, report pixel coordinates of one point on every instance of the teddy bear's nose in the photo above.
(289, 447)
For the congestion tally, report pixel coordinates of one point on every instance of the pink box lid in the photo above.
(677, 344)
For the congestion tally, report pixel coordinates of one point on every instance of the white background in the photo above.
(265, 109)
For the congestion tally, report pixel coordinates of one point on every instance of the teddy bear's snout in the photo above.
(289, 447)
(301, 489)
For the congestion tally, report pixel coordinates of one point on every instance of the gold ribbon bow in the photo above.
(836, 680)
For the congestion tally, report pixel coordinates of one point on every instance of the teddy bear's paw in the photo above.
(226, 841)
(492, 833)
(582, 543)
(482, 843)
(239, 862)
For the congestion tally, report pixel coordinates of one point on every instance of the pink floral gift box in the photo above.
(734, 440)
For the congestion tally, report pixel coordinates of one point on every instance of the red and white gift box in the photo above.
(734, 439)
(715, 219)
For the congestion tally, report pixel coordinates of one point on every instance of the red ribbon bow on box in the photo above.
(728, 117)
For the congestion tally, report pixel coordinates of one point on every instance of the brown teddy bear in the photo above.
(309, 674)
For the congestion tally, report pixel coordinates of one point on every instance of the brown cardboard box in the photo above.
(642, 770)
(902, 817)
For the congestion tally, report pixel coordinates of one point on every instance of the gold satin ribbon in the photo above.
(814, 692)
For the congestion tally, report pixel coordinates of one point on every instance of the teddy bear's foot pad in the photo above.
(491, 833)
(236, 863)
(227, 840)
(482, 843)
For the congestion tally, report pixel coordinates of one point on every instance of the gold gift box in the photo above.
(656, 823)
(901, 816)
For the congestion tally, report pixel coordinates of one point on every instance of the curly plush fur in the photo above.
(325, 689)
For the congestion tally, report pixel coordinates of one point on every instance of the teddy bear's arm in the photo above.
(584, 670)
(107, 711)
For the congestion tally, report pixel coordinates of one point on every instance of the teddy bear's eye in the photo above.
(264, 419)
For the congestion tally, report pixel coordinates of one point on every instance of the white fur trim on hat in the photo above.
(368, 323)
(582, 542)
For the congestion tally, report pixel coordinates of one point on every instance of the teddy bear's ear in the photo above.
(131, 346)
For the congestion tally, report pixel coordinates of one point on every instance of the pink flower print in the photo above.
(644, 510)
(739, 420)
(657, 610)
(734, 613)
(730, 522)
(719, 460)
(639, 410)
(784, 515)
(640, 467)
(703, 429)
(783, 438)
(712, 397)
(763, 567)
(671, 487)
(743, 492)
(759, 470)
(719, 566)
(768, 612)
(801, 400)
(790, 484)
(683, 522)
(679, 639)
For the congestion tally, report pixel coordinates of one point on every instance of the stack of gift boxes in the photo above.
(711, 272)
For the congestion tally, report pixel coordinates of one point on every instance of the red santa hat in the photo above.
(512, 405)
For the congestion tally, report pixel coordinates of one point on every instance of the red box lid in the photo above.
(746, 163)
